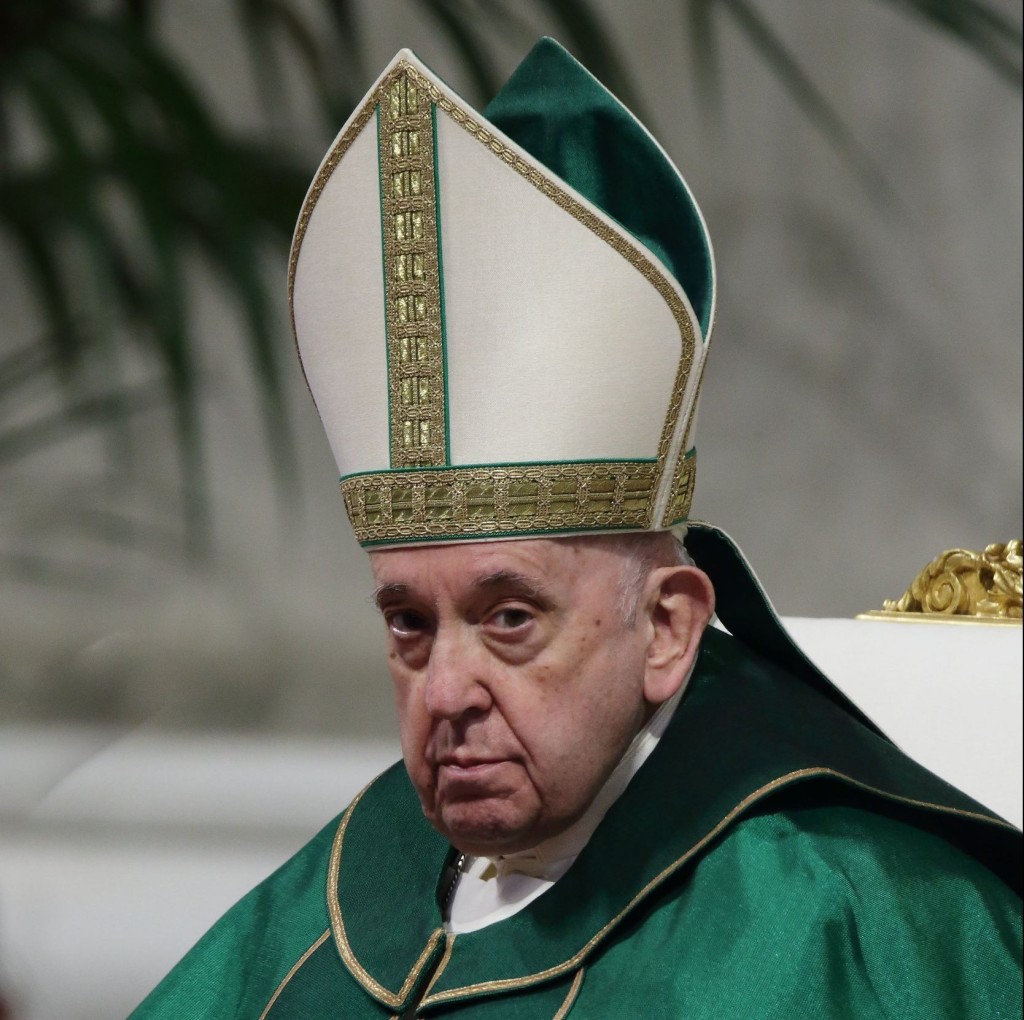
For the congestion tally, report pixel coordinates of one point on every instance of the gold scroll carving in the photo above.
(964, 584)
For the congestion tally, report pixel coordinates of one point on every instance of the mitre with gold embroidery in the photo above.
(503, 317)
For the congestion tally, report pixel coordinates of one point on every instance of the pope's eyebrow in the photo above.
(385, 593)
(519, 583)
(528, 587)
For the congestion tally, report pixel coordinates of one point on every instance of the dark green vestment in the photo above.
(775, 857)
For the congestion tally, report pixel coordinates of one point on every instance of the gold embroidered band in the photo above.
(682, 489)
(416, 385)
(512, 500)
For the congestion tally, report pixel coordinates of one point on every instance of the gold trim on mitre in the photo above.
(412, 274)
(670, 446)
(962, 585)
(520, 499)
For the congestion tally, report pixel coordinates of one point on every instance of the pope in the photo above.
(624, 791)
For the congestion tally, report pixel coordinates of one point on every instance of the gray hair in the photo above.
(640, 553)
(644, 552)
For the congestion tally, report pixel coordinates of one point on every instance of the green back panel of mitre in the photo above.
(567, 120)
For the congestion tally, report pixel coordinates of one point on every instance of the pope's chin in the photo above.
(482, 816)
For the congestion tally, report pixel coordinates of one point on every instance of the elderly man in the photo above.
(606, 808)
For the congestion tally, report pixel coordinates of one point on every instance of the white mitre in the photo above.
(503, 319)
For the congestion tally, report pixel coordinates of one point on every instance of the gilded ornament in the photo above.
(415, 331)
(964, 584)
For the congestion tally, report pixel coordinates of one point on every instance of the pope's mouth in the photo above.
(468, 766)
(473, 775)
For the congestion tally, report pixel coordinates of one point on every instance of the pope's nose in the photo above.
(456, 675)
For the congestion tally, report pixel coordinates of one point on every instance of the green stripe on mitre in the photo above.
(566, 119)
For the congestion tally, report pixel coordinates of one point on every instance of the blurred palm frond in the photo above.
(130, 176)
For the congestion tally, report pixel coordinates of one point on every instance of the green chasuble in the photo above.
(776, 856)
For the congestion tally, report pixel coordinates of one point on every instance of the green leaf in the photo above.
(92, 412)
(35, 248)
(24, 366)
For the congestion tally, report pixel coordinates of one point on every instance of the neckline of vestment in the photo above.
(745, 731)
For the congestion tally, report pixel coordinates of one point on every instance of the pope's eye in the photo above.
(406, 623)
(511, 619)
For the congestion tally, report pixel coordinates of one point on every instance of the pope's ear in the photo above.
(679, 605)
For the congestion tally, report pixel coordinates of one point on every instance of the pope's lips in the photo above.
(466, 763)
(470, 772)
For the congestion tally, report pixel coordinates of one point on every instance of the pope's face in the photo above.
(518, 683)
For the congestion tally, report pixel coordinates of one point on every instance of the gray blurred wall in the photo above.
(861, 412)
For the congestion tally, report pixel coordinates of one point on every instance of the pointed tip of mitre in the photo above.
(403, 56)
(662, 215)
(407, 56)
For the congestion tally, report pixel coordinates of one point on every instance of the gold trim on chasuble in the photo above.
(576, 960)
(570, 999)
(377, 990)
(384, 507)
(296, 967)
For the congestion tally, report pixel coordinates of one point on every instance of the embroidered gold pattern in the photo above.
(409, 227)
(685, 472)
(295, 969)
(682, 489)
(456, 502)
(504, 984)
